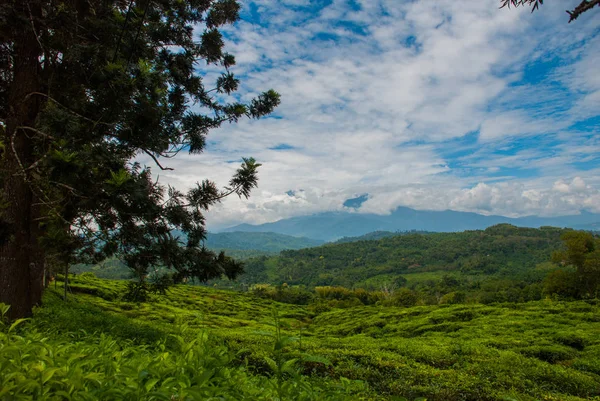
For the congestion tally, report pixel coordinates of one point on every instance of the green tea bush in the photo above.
(337, 293)
(573, 340)
(35, 366)
(546, 350)
(287, 294)
(549, 353)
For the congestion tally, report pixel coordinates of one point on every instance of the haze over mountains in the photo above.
(330, 226)
(261, 241)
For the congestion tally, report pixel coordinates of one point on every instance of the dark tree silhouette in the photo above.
(85, 87)
(585, 5)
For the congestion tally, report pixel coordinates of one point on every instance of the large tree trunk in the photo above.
(21, 269)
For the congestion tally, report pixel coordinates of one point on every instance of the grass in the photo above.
(544, 350)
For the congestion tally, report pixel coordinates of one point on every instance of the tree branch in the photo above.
(112, 125)
(16, 154)
(24, 127)
(33, 27)
(584, 6)
(156, 160)
(221, 196)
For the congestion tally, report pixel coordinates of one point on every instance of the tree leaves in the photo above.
(118, 79)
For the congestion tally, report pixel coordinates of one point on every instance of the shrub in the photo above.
(457, 297)
(296, 295)
(562, 283)
(404, 297)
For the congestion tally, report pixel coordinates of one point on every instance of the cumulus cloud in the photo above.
(433, 105)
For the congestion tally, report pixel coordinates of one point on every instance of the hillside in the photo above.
(501, 251)
(114, 269)
(239, 245)
(197, 343)
(257, 241)
(375, 235)
(331, 226)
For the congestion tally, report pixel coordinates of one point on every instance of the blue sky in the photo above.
(433, 105)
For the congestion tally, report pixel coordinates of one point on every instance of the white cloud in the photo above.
(377, 100)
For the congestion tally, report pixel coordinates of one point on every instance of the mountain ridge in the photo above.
(331, 226)
(258, 241)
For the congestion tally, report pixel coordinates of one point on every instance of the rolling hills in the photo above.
(501, 251)
(239, 245)
(200, 343)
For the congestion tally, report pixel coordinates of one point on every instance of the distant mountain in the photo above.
(331, 226)
(258, 241)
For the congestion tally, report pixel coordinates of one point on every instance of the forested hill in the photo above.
(377, 235)
(239, 245)
(501, 250)
(266, 242)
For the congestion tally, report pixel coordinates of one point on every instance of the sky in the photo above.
(433, 105)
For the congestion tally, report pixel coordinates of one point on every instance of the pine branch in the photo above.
(584, 6)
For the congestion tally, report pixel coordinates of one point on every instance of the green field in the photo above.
(95, 347)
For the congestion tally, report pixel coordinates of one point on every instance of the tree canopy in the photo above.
(582, 252)
(86, 86)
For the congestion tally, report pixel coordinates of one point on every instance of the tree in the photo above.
(584, 6)
(583, 253)
(85, 87)
(561, 282)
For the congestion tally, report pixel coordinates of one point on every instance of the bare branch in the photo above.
(14, 149)
(33, 27)
(156, 160)
(24, 127)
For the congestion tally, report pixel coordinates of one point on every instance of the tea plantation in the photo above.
(198, 343)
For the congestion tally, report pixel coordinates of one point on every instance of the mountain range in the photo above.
(331, 226)
(260, 241)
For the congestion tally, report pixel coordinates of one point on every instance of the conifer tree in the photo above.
(86, 86)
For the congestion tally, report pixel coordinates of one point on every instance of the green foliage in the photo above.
(404, 297)
(104, 369)
(375, 235)
(562, 283)
(582, 252)
(80, 351)
(456, 297)
(498, 264)
(88, 86)
(544, 350)
(283, 293)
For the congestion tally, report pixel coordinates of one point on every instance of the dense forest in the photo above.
(500, 263)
